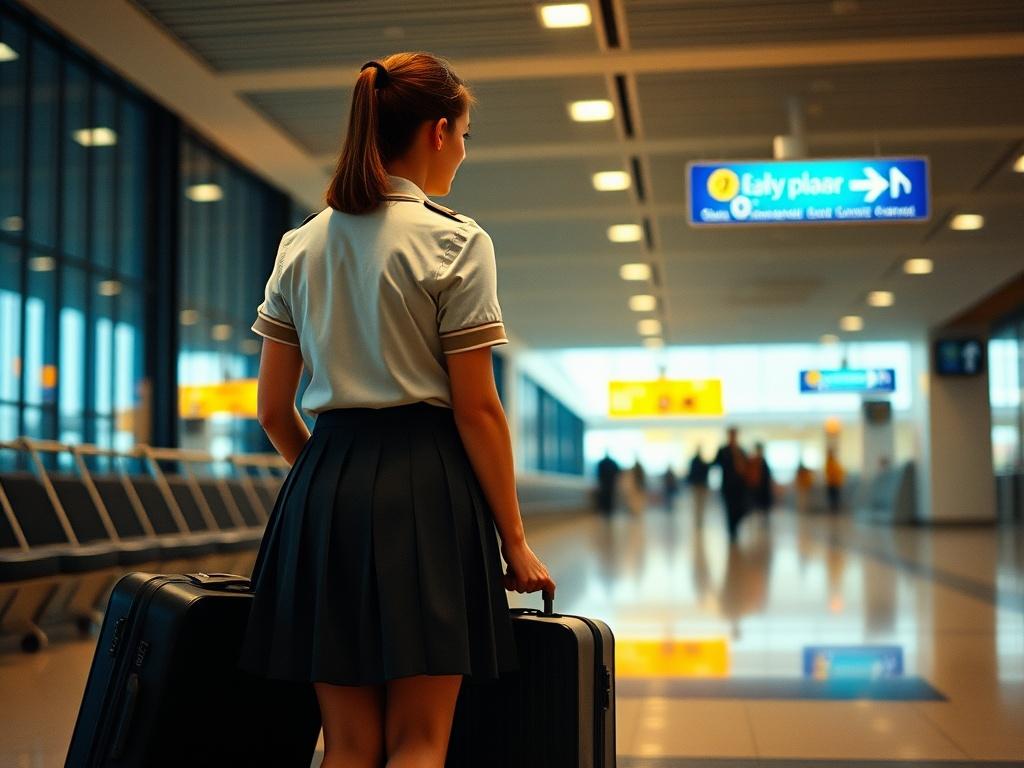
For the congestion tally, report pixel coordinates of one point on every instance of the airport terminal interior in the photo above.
(798, 221)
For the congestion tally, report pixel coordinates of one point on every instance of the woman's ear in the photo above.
(438, 133)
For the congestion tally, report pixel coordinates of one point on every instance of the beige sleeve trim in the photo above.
(275, 330)
(473, 338)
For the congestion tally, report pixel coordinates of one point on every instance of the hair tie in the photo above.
(383, 78)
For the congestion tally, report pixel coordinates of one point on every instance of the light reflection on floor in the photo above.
(951, 599)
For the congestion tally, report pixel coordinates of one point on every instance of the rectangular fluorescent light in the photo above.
(635, 272)
(851, 323)
(649, 327)
(965, 222)
(881, 298)
(591, 111)
(1019, 165)
(42, 264)
(221, 332)
(12, 224)
(204, 193)
(7, 53)
(565, 15)
(611, 181)
(654, 342)
(918, 266)
(643, 303)
(829, 339)
(95, 137)
(625, 233)
(188, 317)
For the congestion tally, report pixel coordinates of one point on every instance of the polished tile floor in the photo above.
(712, 641)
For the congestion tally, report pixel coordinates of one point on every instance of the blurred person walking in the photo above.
(733, 462)
(835, 475)
(697, 479)
(803, 482)
(635, 488)
(669, 487)
(760, 481)
(607, 481)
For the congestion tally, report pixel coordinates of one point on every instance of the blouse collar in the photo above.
(403, 186)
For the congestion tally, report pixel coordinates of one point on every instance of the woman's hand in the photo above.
(526, 573)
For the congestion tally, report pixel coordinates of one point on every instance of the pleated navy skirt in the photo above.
(380, 559)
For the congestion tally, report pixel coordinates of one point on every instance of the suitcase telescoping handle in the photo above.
(549, 603)
(226, 582)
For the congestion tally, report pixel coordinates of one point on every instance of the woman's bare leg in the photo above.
(418, 720)
(353, 718)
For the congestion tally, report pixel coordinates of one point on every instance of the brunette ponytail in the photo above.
(392, 98)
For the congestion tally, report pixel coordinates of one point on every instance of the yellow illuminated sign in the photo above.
(696, 657)
(665, 397)
(237, 398)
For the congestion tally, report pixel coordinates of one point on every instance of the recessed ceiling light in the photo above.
(108, 288)
(829, 338)
(881, 298)
(1019, 165)
(95, 137)
(565, 15)
(611, 181)
(42, 264)
(918, 266)
(204, 193)
(7, 53)
(594, 111)
(964, 222)
(221, 332)
(12, 224)
(635, 272)
(188, 316)
(654, 342)
(851, 323)
(625, 233)
(649, 327)
(643, 303)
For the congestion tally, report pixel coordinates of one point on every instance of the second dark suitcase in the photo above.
(557, 711)
(164, 689)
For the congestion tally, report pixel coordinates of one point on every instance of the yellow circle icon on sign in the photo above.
(723, 184)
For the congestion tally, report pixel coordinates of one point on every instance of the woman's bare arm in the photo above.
(280, 371)
(483, 428)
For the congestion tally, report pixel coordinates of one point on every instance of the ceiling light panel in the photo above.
(643, 303)
(920, 266)
(966, 222)
(881, 298)
(851, 323)
(625, 233)
(649, 327)
(635, 272)
(565, 15)
(595, 111)
(611, 181)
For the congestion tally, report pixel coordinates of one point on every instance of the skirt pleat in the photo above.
(380, 559)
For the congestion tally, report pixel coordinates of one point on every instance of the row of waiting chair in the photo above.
(73, 518)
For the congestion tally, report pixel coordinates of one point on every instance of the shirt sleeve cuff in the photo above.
(465, 339)
(275, 330)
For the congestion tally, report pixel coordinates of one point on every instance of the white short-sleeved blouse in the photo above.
(374, 302)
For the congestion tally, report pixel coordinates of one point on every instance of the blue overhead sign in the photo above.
(809, 191)
(849, 380)
(824, 662)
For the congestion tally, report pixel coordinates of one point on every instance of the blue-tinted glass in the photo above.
(38, 423)
(131, 225)
(10, 323)
(103, 152)
(103, 347)
(128, 371)
(104, 433)
(74, 185)
(8, 425)
(72, 354)
(40, 362)
(12, 123)
(42, 213)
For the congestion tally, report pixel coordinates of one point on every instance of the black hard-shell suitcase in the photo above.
(164, 689)
(556, 711)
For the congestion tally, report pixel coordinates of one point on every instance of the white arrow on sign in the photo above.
(898, 181)
(875, 184)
